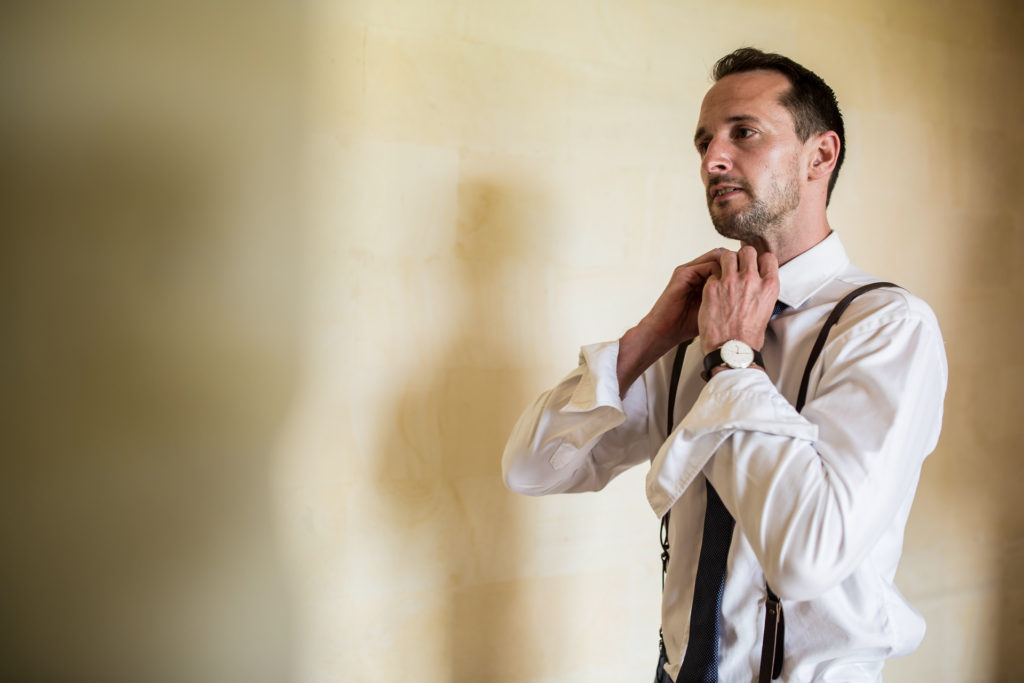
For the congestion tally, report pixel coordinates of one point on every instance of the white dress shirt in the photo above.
(820, 498)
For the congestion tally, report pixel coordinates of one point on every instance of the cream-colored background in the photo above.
(277, 283)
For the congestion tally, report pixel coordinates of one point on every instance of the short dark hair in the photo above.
(809, 100)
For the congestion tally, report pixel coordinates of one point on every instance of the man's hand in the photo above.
(738, 299)
(672, 320)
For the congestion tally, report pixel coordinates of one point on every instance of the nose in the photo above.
(716, 157)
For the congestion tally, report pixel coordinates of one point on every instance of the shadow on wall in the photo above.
(989, 433)
(452, 427)
(148, 345)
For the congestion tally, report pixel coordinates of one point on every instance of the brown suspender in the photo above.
(677, 368)
(774, 620)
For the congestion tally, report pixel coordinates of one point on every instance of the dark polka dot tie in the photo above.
(701, 661)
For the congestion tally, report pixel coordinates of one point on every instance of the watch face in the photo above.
(736, 354)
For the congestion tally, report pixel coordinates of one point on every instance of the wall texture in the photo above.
(279, 282)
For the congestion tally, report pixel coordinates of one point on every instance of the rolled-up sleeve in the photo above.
(579, 435)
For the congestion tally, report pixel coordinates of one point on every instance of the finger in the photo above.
(690, 275)
(728, 263)
(705, 269)
(768, 266)
(747, 259)
(711, 256)
(694, 274)
(714, 270)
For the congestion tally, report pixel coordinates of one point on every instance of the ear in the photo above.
(824, 155)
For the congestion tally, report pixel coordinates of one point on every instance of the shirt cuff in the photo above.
(599, 385)
(734, 400)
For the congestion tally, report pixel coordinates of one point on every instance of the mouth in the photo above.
(724, 192)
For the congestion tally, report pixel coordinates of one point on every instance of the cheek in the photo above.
(780, 166)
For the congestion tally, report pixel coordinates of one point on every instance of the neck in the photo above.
(794, 240)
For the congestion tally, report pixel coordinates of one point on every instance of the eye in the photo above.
(744, 132)
(702, 146)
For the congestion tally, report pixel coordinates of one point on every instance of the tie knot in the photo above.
(779, 308)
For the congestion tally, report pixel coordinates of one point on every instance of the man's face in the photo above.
(750, 156)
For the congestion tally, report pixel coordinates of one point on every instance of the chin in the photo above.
(728, 227)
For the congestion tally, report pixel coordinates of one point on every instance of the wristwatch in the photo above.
(732, 354)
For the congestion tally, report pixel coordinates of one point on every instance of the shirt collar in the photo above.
(801, 277)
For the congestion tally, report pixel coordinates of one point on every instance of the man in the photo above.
(814, 502)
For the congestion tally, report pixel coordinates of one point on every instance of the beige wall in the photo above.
(279, 283)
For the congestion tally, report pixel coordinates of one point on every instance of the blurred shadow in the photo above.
(149, 346)
(444, 454)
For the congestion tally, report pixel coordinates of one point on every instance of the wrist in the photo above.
(646, 343)
(638, 349)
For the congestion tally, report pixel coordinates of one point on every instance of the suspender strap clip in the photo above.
(774, 637)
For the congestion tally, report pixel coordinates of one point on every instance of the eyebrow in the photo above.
(739, 118)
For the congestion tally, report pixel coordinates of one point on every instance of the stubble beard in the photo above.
(763, 219)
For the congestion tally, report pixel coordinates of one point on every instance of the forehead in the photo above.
(749, 94)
